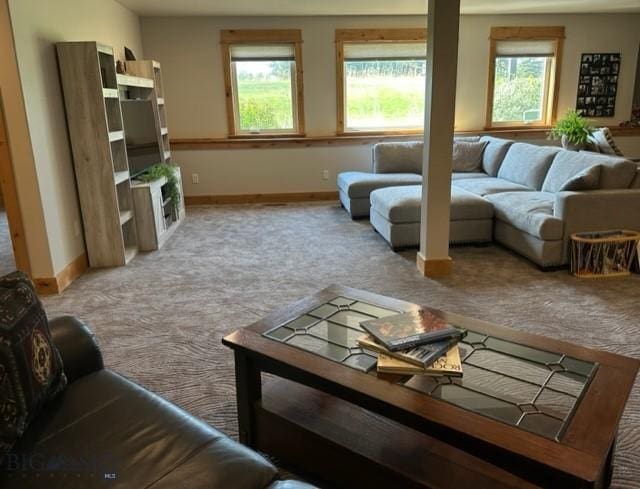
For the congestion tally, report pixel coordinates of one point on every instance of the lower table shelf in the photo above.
(347, 446)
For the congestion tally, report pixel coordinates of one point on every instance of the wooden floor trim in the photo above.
(57, 284)
(362, 140)
(260, 198)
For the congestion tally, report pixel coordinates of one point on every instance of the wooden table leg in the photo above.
(248, 392)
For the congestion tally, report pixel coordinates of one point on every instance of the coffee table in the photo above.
(529, 411)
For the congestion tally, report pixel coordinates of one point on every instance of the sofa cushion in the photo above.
(31, 370)
(568, 164)
(358, 184)
(494, 154)
(616, 172)
(136, 435)
(531, 212)
(465, 175)
(402, 204)
(467, 156)
(400, 157)
(488, 185)
(470, 139)
(587, 179)
(527, 164)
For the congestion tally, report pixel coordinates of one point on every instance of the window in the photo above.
(263, 77)
(523, 76)
(381, 80)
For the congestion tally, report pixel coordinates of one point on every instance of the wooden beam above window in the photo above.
(527, 32)
(260, 35)
(364, 35)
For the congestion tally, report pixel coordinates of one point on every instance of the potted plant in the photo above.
(164, 170)
(573, 130)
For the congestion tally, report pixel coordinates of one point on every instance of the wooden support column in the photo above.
(442, 64)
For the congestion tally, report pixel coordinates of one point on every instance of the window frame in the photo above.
(363, 36)
(552, 72)
(229, 38)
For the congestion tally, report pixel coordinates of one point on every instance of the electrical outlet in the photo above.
(77, 230)
(325, 174)
(195, 178)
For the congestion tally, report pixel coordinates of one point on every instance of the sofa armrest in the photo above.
(398, 157)
(597, 210)
(77, 345)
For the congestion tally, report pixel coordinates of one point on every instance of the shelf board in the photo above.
(125, 216)
(164, 131)
(115, 136)
(134, 81)
(104, 49)
(121, 176)
(130, 252)
(160, 100)
(110, 92)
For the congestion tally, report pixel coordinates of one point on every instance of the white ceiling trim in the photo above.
(369, 7)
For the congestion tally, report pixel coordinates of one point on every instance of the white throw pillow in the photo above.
(467, 156)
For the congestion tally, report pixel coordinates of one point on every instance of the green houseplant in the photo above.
(164, 170)
(573, 130)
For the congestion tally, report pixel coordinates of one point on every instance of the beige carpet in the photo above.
(160, 319)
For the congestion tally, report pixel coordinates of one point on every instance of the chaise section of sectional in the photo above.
(354, 188)
(395, 215)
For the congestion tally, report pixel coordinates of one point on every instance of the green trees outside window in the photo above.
(519, 89)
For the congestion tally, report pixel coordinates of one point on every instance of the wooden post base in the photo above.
(434, 268)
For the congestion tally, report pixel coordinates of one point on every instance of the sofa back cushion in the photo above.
(400, 157)
(616, 173)
(467, 156)
(30, 365)
(527, 164)
(494, 153)
(569, 164)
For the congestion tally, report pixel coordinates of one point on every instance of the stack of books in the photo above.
(414, 343)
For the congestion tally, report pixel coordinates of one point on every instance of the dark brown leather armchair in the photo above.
(105, 431)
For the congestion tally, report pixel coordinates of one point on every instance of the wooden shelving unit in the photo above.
(120, 215)
(94, 117)
(151, 69)
(156, 216)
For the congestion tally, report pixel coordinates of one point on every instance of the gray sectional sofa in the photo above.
(518, 196)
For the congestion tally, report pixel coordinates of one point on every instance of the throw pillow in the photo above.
(587, 179)
(467, 156)
(31, 371)
(603, 140)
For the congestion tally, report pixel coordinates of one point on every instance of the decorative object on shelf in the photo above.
(120, 67)
(167, 171)
(635, 118)
(603, 254)
(598, 84)
(573, 130)
(128, 54)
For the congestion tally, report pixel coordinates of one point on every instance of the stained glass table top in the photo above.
(533, 389)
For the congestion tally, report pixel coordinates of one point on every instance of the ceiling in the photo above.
(371, 7)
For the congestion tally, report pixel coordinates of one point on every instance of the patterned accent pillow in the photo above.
(31, 371)
(603, 140)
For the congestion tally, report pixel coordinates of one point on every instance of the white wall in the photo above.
(37, 26)
(189, 51)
